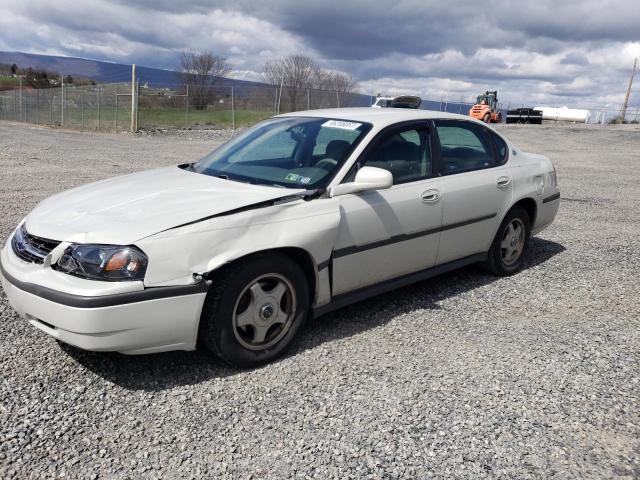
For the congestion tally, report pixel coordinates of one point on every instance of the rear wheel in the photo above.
(510, 244)
(486, 118)
(254, 309)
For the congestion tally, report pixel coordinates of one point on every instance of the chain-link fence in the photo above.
(233, 106)
(95, 107)
(109, 107)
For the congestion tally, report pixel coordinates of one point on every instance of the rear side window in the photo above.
(464, 146)
(501, 147)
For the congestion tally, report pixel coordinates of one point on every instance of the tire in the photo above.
(486, 118)
(254, 309)
(506, 255)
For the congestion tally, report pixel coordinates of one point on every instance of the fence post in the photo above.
(275, 102)
(81, 108)
(51, 106)
(233, 113)
(37, 109)
(280, 96)
(99, 107)
(137, 101)
(133, 98)
(186, 110)
(116, 122)
(308, 100)
(338, 98)
(62, 101)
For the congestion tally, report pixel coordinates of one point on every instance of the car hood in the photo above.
(124, 209)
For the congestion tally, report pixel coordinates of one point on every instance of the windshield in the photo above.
(293, 152)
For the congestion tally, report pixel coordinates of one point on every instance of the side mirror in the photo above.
(367, 178)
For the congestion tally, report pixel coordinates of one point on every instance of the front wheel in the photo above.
(508, 249)
(487, 118)
(254, 309)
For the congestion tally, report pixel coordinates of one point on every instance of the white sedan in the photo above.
(302, 214)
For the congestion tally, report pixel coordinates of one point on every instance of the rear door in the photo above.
(476, 188)
(388, 233)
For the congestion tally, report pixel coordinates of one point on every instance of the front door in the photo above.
(388, 233)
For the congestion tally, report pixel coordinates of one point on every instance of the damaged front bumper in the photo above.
(101, 316)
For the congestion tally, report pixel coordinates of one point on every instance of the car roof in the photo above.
(379, 117)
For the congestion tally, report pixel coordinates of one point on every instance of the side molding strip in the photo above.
(342, 252)
(323, 265)
(553, 197)
(342, 300)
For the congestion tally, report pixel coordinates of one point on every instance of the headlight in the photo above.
(103, 262)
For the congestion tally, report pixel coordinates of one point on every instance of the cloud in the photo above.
(533, 52)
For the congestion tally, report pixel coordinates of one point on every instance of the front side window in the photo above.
(406, 154)
(293, 152)
(464, 147)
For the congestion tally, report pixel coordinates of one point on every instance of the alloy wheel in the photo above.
(513, 241)
(264, 311)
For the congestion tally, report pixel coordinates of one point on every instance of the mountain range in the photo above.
(101, 71)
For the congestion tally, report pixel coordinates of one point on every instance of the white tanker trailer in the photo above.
(564, 114)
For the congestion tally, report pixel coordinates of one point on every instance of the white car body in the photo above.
(351, 245)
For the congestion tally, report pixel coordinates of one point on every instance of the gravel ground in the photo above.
(461, 376)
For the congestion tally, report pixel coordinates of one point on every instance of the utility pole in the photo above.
(133, 98)
(623, 113)
(20, 118)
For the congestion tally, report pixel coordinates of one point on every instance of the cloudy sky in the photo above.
(576, 53)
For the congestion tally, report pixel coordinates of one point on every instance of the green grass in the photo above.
(178, 118)
(148, 118)
(9, 82)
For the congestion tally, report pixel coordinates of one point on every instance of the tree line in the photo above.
(293, 75)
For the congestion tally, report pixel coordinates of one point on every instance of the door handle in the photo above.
(504, 182)
(430, 196)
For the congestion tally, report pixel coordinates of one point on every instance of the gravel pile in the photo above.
(192, 133)
(462, 376)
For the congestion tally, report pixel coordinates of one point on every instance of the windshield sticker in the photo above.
(341, 124)
(294, 177)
